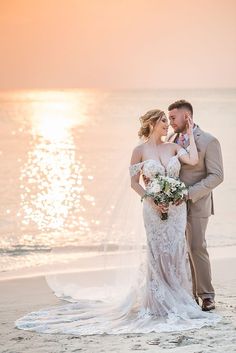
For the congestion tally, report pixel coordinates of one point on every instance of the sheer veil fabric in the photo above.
(134, 277)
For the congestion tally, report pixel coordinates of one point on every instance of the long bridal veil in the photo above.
(106, 263)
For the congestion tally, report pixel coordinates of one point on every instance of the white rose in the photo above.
(155, 186)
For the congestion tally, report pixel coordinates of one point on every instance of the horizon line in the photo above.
(114, 88)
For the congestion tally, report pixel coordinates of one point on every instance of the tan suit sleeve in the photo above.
(214, 169)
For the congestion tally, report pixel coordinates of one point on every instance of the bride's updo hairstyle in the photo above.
(148, 121)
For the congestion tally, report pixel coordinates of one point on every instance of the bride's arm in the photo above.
(136, 160)
(190, 157)
(136, 163)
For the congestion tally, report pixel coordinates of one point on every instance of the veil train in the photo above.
(107, 266)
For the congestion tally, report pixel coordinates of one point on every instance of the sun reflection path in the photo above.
(51, 179)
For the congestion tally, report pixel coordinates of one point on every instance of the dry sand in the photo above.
(20, 296)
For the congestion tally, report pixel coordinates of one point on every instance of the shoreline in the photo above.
(215, 253)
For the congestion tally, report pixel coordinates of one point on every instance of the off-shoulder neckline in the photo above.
(158, 161)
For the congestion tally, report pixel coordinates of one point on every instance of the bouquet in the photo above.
(164, 190)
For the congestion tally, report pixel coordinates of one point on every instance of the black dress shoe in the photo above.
(197, 300)
(208, 304)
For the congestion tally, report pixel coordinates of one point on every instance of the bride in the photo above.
(162, 299)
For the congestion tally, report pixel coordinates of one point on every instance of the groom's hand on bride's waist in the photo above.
(146, 179)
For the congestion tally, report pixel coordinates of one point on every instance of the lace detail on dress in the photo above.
(135, 168)
(150, 167)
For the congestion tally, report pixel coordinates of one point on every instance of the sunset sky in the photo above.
(117, 43)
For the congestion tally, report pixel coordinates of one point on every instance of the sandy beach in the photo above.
(22, 295)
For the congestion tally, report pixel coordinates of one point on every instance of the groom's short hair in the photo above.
(182, 103)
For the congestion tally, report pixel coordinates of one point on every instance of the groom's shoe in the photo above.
(197, 300)
(208, 304)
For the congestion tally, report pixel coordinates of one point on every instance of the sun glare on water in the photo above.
(51, 180)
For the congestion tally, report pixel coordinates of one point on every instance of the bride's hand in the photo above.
(160, 207)
(189, 125)
(179, 201)
(164, 208)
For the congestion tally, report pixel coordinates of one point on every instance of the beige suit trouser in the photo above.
(199, 257)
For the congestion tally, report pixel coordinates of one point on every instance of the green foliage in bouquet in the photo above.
(165, 190)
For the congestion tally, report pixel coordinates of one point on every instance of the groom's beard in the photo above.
(180, 129)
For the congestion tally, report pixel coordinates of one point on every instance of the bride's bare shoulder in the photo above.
(137, 153)
(172, 145)
(139, 148)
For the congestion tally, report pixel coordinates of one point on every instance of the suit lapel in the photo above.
(197, 133)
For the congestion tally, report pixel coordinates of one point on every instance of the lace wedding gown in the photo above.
(161, 300)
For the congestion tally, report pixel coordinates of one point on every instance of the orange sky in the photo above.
(117, 43)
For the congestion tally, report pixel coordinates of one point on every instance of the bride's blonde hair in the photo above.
(148, 121)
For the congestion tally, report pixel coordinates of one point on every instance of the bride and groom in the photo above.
(177, 268)
(201, 170)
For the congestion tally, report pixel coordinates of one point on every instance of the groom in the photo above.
(200, 179)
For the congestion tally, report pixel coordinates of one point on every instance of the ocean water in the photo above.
(64, 168)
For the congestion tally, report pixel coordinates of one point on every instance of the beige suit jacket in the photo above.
(203, 177)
